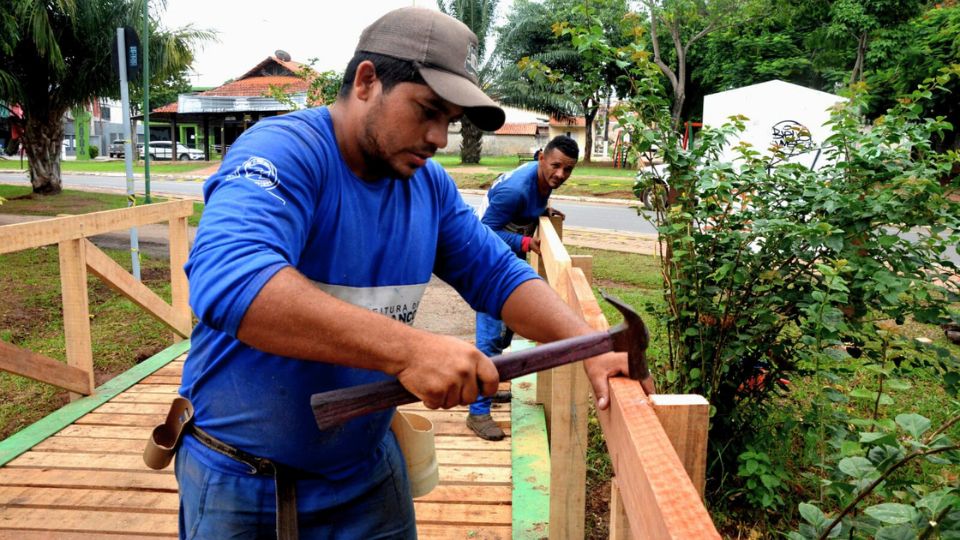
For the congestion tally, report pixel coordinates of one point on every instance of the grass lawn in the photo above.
(117, 166)
(20, 201)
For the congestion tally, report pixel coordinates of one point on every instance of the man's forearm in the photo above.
(536, 312)
(292, 317)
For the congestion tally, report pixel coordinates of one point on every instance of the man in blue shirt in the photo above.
(321, 230)
(512, 208)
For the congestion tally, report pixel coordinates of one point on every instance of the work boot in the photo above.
(484, 426)
(502, 396)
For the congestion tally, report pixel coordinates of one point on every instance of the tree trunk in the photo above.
(857, 73)
(42, 140)
(471, 142)
(591, 114)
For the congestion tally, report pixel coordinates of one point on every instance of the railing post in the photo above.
(179, 288)
(76, 309)
(685, 420)
(619, 524)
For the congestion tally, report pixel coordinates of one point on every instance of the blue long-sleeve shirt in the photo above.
(285, 197)
(513, 206)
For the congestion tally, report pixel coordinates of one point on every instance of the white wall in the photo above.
(770, 104)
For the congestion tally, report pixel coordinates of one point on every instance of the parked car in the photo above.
(116, 148)
(162, 150)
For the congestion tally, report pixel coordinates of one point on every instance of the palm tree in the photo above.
(56, 56)
(478, 16)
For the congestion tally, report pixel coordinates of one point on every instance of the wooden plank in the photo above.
(619, 525)
(61, 535)
(43, 368)
(482, 494)
(462, 532)
(60, 519)
(459, 513)
(475, 474)
(659, 498)
(108, 432)
(163, 379)
(90, 499)
(63, 460)
(179, 288)
(145, 398)
(531, 464)
(140, 420)
(154, 409)
(71, 478)
(62, 229)
(124, 283)
(460, 428)
(166, 389)
(501, 416)
(686, 419)
(473, 457)
(87, 444)
(76, 310)
(456, 442)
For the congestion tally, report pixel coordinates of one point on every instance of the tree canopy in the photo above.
(55, 55)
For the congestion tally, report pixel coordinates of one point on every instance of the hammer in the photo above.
(337, 406)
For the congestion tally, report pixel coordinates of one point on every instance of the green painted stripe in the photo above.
(530, 456)
(27, 438)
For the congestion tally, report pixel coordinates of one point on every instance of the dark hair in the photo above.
(391, 71)
(566, 145)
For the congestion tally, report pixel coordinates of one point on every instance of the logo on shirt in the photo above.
(260, 171)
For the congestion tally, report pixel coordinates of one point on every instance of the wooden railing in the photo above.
(77, 255)
(657, 443)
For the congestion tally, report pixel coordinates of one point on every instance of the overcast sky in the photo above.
(250, 31)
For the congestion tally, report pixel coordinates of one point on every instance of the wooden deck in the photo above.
(88, 480)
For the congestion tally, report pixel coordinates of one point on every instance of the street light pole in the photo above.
(146, 101)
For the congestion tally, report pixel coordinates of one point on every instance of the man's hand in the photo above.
(445, 372)
(535, 245)
(600, 368)
(554, 212)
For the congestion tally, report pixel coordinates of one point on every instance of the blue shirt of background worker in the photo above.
(512, 208)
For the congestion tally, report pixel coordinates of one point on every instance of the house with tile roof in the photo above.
(213, 119)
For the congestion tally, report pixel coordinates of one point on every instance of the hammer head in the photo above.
(630, 337)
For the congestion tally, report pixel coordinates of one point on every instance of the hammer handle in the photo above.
(337, 406)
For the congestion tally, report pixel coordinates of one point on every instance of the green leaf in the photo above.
(874, 437)
(812, 515)
(892, 513)
(897, 532)
(913, 423)
(898, 384)
(857, 467)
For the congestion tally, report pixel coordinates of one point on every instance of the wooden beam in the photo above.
(43, 368)
(179, 288)
(121, 281)
(659, 498)
(56, 230)
(76, 310)
(686, 419)
(554, 255)
(584, 263)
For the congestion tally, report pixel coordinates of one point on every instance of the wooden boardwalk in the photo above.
(88, 481)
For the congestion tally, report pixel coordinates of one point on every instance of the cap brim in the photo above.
(478, 107)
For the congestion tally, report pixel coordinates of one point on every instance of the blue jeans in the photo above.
(493, 337)
(220, 499)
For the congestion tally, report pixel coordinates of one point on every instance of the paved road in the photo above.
(579, 214)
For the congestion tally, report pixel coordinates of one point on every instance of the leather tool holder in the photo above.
(166, 437)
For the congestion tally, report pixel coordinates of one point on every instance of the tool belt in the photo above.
(167, 437)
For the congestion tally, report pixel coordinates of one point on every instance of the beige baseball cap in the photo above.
(445, 53)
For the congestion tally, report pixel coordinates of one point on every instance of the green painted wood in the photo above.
(530, 455)
(27, 438)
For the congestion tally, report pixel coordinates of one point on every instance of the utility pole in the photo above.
(146, 101)
(128, 147)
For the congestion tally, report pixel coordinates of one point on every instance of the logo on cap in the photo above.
(470, 65)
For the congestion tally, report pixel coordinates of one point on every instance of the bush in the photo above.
(770, 267)
(93, 152)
